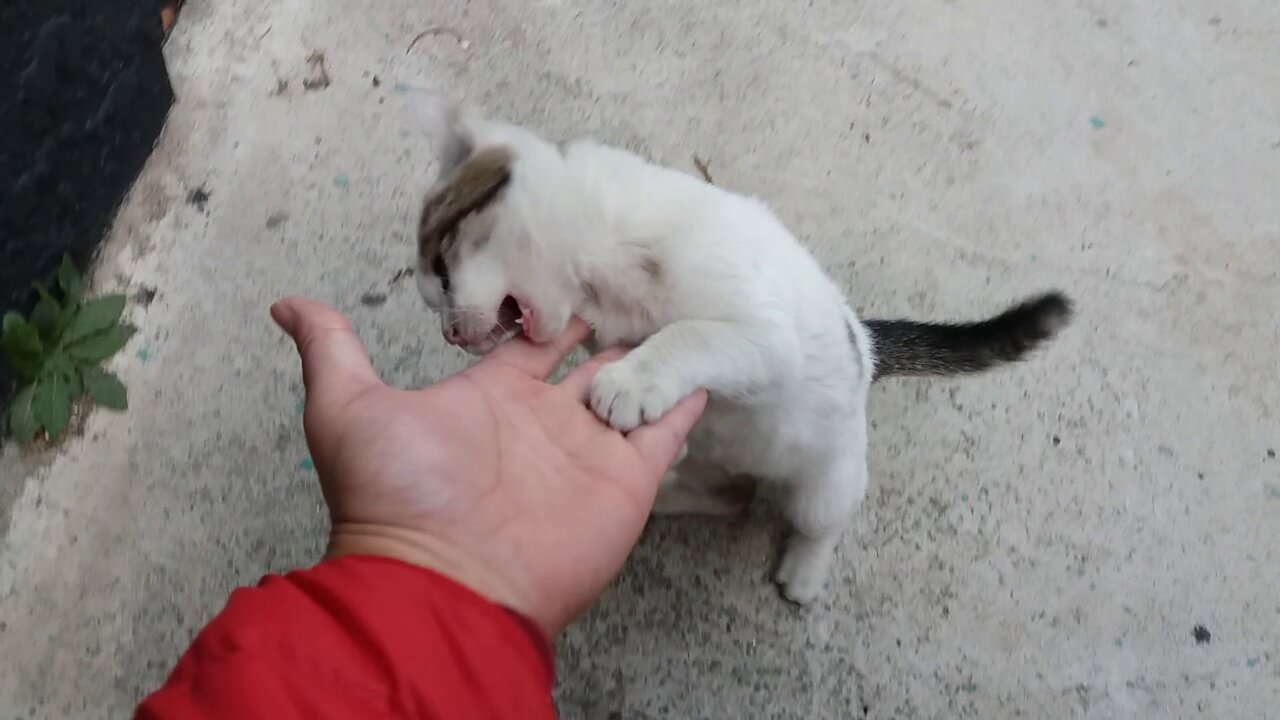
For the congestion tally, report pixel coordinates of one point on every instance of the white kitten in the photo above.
(715, 293)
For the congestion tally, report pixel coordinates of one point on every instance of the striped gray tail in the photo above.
(905, 347)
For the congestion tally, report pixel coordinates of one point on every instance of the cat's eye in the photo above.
(438, 267)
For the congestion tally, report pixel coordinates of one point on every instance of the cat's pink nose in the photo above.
(452, 335)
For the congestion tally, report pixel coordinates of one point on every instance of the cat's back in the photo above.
(643, 200)
(722, 254)
(623, 180)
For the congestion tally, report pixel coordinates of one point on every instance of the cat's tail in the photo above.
(905, 347)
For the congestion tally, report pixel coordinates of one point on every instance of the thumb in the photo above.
(334, 363)
(659, 442)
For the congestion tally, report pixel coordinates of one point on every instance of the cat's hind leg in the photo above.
(820, 507)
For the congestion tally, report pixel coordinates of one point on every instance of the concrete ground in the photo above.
(1039, 542)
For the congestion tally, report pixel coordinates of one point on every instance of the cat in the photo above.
(711, 291)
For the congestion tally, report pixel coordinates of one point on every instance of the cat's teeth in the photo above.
(519, 321)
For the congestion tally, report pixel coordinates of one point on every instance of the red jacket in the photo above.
(360, 637)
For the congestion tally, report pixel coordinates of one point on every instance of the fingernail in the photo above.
(284, 314)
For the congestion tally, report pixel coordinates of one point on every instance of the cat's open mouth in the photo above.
(512, 317)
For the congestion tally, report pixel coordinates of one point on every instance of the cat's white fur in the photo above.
(715, 292)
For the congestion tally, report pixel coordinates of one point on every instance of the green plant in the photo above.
(58, 350)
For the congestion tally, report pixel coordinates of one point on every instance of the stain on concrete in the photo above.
(1201, 634)
(373, 299)
(199, 197)
(317, 72)
(145, 296)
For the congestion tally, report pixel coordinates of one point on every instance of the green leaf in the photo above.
(21, 344)
(96, 315)
(105, 388)
(62, 366)
(68, 313)
(18, 334)
(101, 345)
(69, 281)
(53, 404)
(47, 318)
(23, 425)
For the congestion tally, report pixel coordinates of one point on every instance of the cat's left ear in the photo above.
(444, 119)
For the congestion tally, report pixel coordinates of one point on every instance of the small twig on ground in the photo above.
(437, 30)
(704, 168)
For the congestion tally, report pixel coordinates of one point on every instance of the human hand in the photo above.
(507, 484)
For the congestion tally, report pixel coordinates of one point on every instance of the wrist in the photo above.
(423, 550)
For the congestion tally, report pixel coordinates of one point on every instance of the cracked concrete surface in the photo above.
(1039, 542)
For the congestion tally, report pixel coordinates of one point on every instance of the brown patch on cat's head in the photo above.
(468, 190)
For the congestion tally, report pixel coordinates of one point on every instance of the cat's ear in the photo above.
(445, 120)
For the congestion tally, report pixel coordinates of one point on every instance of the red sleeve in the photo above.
(360, 637)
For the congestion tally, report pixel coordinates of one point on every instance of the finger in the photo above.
(539, 360)
(578, 381)
(334, 362)
(659, 442)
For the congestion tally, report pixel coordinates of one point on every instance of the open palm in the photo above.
(493, 476)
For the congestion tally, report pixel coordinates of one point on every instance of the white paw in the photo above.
(803, 571)
(626, 398)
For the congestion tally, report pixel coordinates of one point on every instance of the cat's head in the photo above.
(485, 262)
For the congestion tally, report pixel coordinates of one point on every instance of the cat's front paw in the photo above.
(626, 396)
